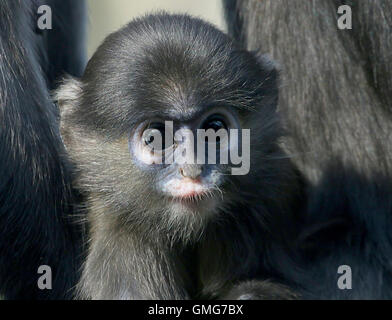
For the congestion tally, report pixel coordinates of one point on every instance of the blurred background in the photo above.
(106, 16)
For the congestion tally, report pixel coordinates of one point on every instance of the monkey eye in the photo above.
(215, 122)
(154, 136)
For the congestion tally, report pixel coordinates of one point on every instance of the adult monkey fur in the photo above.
(35, 186)
(336, 101)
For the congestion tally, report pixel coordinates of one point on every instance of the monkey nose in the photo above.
(191, 171)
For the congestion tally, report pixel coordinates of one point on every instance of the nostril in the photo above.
(182, 172)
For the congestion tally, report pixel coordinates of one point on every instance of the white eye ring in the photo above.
(148, 154)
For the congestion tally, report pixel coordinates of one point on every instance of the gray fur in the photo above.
(336, 105)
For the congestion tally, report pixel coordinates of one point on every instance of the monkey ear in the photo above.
(270, 81)
(67, 96)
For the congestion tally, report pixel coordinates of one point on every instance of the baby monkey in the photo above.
(178, 229)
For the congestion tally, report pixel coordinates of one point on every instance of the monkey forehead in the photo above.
(167, 65)
(182, 69)
(170, 51)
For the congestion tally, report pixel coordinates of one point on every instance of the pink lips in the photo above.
(185, 188)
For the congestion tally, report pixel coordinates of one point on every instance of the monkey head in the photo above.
(146, 95)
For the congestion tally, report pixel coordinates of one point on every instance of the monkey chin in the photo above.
(200, 204)
(195, 209)
(191, 216)
(192, 197)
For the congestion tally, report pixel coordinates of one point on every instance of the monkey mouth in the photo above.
(188, 190)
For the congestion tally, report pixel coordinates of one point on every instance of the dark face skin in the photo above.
(169, 68)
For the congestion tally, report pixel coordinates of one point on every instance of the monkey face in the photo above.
(188, 159)
(156, 95)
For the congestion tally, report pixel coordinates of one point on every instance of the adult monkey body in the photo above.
(336, 98)
(35, 187)
(152, 233)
